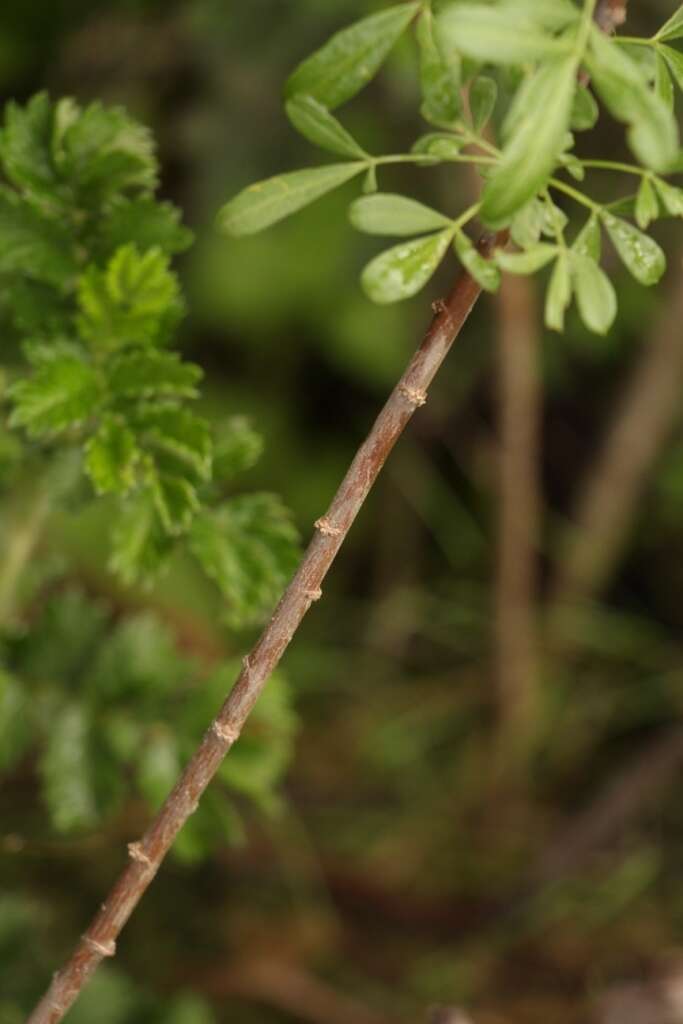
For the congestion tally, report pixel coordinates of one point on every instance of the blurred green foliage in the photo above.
(394, 861)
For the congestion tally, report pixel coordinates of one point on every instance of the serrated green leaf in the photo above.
(595, 295)
(624, 88)
(527, 262)
(135, 300)
(496, 35)
(60, 394)
(351, 58)
(152, 374)
(142, 222)
(388, 214)
(176, 502)
(249, 547)
(66, 770)
(585, 110)
(237, 447)
(483, 96)
(531, 154)
(180, 433)
(26, 146)
(102, 151)
(158, 765)
(671, 196)
(268, 202)
(439, 79)
(139, 545)
(319, 126)
(664, 86)
(403, 271)
(138, 661)
(589, 240)
(640, 253)
(485, 272)
(559, 294)
(647, 207)
(673, 28)
(111, 456)
(33, 245)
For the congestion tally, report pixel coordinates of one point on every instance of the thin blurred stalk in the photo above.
(608, 502)
(516, 653)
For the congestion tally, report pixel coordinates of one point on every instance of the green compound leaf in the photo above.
(111, 457)
(483, 96)
(674, 61)
(532, 152)
(595, 295)
(351, 58)
(26, 146)
(237, 447)
(673, 28)
(62, 393)
(640, 253)
(528, 262)
(388, 214)
(149, 373)
(67, 772)
(249, 547)
(403, 271)
(102, 151)
(664, 86)
(176, 502)
(559, 293)
(439, 80)
(625, 90)
(266, 203)
(589, 240)
(485, 272)
(144, 223)
(496, 35)
(33, 245)
(179, 432)
(527, 224)
(134, 301)
(585, 110)
(319, 126)
(440, 145)
(647, 205)
(671, 196)
(139, 545)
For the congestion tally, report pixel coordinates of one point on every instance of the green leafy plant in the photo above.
(505, 87)
(515, 71)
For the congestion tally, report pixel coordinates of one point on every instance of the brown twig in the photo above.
(147, 854)
(519, 389)
(610, 14)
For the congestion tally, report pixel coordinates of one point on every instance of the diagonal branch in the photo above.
(147, 855)
(610, 14)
